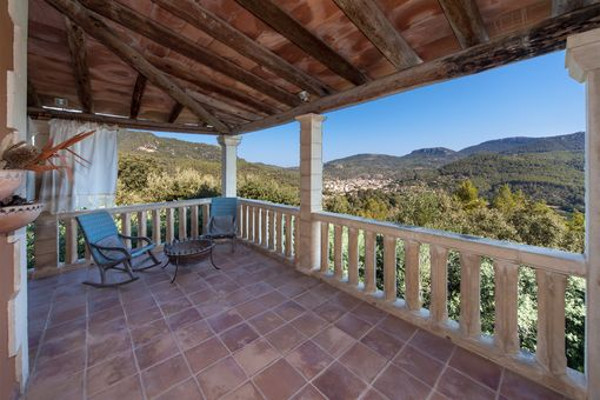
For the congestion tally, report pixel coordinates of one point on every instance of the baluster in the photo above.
(390, 278)
(246, 221)
(288, 235)
(170, 225)
(240, 218)
(324, 247)
(296, 237)
(550, 350)
(194, 222)
(506, 277)
(353, 256)
(370, 286)
(156, 234)
(279, 236)
(182, 211)
(126, 227)
(272, 224)
(412, 278)
(337, 251)
(142, 226)
(251, 224)
(470, 294)
(263, 227)
(205, 217)
(71, 255)
(439, 283)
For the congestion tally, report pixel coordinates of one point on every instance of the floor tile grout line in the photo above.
(500, 382)
(133, 354)
(86, 348)
(444, 369)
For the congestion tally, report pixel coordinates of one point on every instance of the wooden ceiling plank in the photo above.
(372, 22)
(175, 111)
(136, 96)
(216, 104)
(140, 24)
(33, 99)
(285, 25)
(77, 48)
(94, 26)
(564, 6)
(548, 36)
(44, 113)
(466, 22)
(203, 19)
(178, 70)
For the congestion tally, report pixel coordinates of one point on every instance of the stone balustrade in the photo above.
(349, 249)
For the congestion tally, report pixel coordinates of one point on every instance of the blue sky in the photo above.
(529, 98)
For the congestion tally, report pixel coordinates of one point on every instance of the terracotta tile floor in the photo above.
(254, 330)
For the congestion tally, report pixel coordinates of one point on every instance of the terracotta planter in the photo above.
(10, 180)
(15, 217)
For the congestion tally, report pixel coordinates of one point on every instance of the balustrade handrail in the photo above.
(271, 206)
(539, 257)
(139, 207)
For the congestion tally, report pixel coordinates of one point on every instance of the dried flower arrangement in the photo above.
(21, 157)
(24, 156)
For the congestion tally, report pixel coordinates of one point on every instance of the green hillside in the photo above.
(549, 168)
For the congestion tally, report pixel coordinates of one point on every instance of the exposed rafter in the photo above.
(33, 99)
(466, 22)
(76, 40)
(95, 27)
(180, 71)
(205, 20)
(174, 114)
(158, 33)
(563, 6)
(44, 113)
(372, 22)
(291, 29)
(136, 96)
(547, 36)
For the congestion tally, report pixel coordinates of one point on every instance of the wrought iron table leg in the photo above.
(176, 270)
(213, 261)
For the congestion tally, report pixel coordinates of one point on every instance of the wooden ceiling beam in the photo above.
(142, 25)
(372, 22)
(548, 36)
(136, 96)
(33, 99)
(175, 111)
(180, 71)
(94, 26)
(466, 22)
(285, 25)
(563, 6)
(203, 19)
(77, 48)
(44, 113)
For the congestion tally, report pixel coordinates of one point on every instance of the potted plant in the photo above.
(16, 160)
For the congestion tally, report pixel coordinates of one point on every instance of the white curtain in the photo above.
(93, 185)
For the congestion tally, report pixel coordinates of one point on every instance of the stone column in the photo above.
(229, 146)
(583, 63)
(14, 358)
(311, 192)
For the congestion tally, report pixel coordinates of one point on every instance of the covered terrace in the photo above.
(282, 319)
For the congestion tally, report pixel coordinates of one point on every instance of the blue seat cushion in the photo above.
(141, 250)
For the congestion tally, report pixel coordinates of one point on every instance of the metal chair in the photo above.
(108, 249)
(223, 219)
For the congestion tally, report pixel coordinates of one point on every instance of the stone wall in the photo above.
(13, 268)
